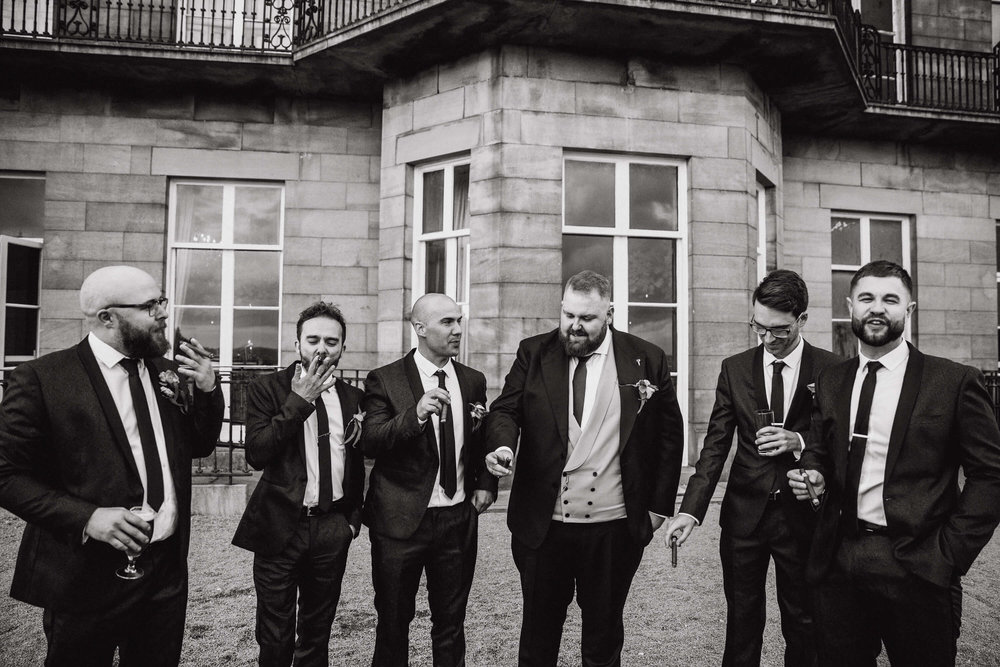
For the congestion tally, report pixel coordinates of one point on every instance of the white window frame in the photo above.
(866, 249)
(228, 248)
(621, 234)
(448, 234)
(761, 194)
(5, 243)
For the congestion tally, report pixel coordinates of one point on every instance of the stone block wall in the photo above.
(108, 157)
(951, 24)
(953, 201)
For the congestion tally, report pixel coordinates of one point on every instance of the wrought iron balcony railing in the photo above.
(887, 73)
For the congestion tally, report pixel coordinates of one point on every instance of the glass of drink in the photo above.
(131, 570)
(762, 418)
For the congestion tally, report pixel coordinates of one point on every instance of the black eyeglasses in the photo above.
(149, 306)
(777, 332)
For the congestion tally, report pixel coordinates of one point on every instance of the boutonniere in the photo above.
(352, 434)
(646, 390)
(176, 390)
(478, 412)
(812, 388)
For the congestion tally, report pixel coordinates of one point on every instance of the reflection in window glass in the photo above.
(887, 241)
(22, 274)
(657, 326)
(587, 252)
(257, 216)
(199, 214)
(434, 280)
(198, 279)
(462, 277)
(589, 194)
(845, 343)
(652, 197)
(200, 323)
(651, 270)
(255, 337)
(433, 215)
(21, 331)
(256, 283)
(845, 241)
(841, 289)
(460, 208)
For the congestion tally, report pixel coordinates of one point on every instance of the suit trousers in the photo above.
(870, 599)
(745, 561)
(310, 568)
(146, 623)
(444, 546)
(598, 560)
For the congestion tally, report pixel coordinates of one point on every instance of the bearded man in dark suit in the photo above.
(85, 434)
(595, 476)
(896, 530)
(302, 431)
(427, 486)
(760, 519)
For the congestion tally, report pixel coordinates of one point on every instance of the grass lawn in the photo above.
(674, 616)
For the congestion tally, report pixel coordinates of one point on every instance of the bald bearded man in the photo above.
(87, 433)
(428, 484)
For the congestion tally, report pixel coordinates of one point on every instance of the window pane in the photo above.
(200, 323)
(658, 326)
(460, 211)
(23, 210)
(590, 194)
(651, 270)
(21, 332)
(257, 278)
(652, 197)
(433, 215)
(841, 289)
(199, 214)
(587, 252)
(462, 295)
(845, 241)
(844, 342)
(199, 277)
(434, 278)
(887, 240)
(258, 215)
(22, 274)
(255, 337)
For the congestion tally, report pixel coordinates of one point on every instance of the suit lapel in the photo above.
(555, 375)
(417, 388)
(760, 396)
(458, 407)
(907, 399)
(90, 365)
(801, 387)
(631, 368)
(166, 409)
(347, 410)
(285, 379)
(844, 415)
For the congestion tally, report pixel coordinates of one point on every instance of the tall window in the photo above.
(441, 232)
(626, 217)
(998, 282)
(21, 227)
(224, 268)
(767, 233)
(855, 240)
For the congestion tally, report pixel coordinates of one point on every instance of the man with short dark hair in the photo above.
(759, 517)
(896, 531)
(592, 414)
(302, 431)
(427, 486)
(86, 434)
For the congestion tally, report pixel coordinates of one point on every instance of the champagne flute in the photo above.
(131, 570)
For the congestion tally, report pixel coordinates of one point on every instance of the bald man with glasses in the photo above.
(760, 519)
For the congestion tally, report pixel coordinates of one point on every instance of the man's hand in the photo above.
(774, 440)
(317, 378)
(681, 526)
(656, 520)
(498, 463)
(482, 499)
(798, 485)
(196, 363)
(119, 528)
(431, 403)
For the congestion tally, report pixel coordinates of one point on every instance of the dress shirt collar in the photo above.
(891, 360)
(428, 369)
(792, 359)
(104, 353)
(605, 345)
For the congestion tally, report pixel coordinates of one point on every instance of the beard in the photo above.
(142, 343)
(893, 330)
(582, 348)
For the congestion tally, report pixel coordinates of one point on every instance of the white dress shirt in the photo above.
(789, 374)
(595, 366)
(335, 418)
(888, 386)
(116, 378)
(456, 414)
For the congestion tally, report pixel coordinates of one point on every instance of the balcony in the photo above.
(823, 67)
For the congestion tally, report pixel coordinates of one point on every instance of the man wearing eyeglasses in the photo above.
(760, 519)
(86, 434)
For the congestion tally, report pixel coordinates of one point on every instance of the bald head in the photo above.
(437, 320)
(116, 284)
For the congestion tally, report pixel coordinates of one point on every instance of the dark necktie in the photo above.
(446, 438)
(859, 441)
(323, 442)
(154, 474)
(580, 387)
(778, 393)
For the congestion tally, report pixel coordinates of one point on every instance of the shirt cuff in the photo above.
(505, 448)
(696, 522)
(802, 446)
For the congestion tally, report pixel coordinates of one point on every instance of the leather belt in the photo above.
(337, 507)
(871, 528)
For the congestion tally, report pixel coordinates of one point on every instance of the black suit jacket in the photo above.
(64, 454)
(944, 420)
(406, 452)
(740, 392)
(275, 444)
(534, 407)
